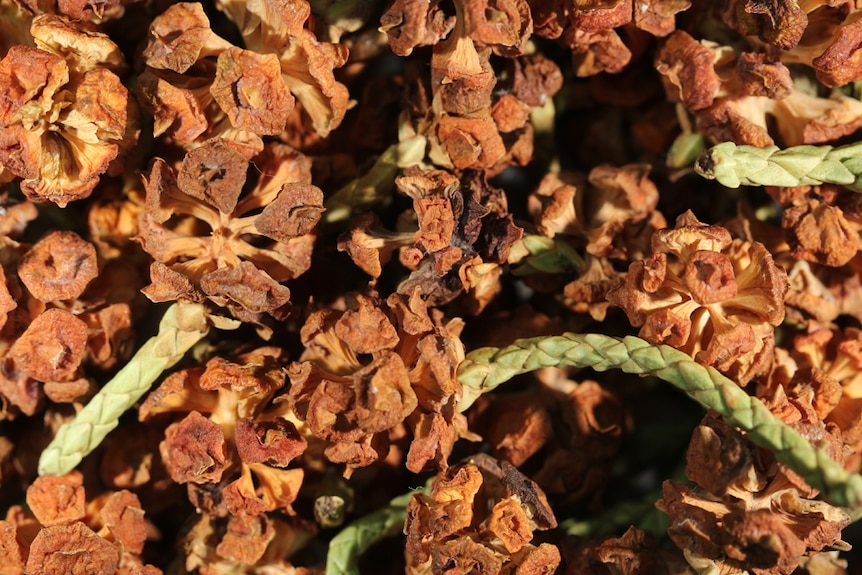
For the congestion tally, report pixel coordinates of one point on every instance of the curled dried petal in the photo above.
(464, 555)
(764, 77)
(52, 347)
(275, 443)
(11, 549)
(194, 450)
(520, 427)
(240, 497)
(84, 48)
(249, 88)
(505, 25)
(57, 500)
(366, 329)
(471, 142)
(720, 459)
(436, 222)
(687, 69)
(510, 524)
(180, 36)
(841, 62)
(245, 288)
(409, 24)
(279, 487)
(596, 52)
(71, 549)
(214, 173)
(123, 516)
(657, 16)
(821, 233)
(29, 76)
(58, 267)
(709, 277)
(293, 213)
(384, 396)
(246, 539)
(177, 111)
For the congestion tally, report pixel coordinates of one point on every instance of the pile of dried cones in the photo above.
(334, 202)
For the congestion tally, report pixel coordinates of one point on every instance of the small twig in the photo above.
(182, 326)
(486, 368)
(376, 184)
(347, 547)
(641, 513)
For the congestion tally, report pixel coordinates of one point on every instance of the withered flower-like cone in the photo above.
(199, 86)
(256, 545)
(211, 241)
(474, 117)
(749, 98)
(704, 293)
(232, 447)
(66, 117)
(578, 460)
(464, 234)
(480, 515)
(59, 324)
(614, 210)
(368, 370)
(307, 64)
(825, 366)
(749, 512)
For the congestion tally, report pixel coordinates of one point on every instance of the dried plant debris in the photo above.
(329, 251)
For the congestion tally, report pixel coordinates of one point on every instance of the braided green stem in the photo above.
(734, 165)
(486, 368)
(183, 325)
